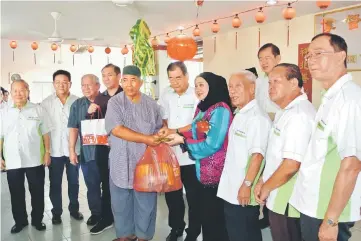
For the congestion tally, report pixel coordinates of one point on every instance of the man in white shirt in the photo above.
(179, 103)
(328, 188)
(247, 144)
(24, 132)
(57, 107)
(269, 56)
(287, 144)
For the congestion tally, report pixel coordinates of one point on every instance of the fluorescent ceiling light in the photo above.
(271, 2)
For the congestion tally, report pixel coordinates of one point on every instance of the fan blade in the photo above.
(40, 34)
(90, 39)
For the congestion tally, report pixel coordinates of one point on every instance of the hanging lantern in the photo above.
(34, 46)
(90, 50)
(260, 17)
(166, 39)
(154, 42)
(236, 22)
(107, 51)
(323, 4)
(125, 51)
(199, 3)
(73, 49)
(13, 45)
(196, 31)
(289, 12)
(54, 47)
(182, 47)
(215, 27)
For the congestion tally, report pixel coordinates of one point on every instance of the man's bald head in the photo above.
(242, 86)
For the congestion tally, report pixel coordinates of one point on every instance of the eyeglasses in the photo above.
(316, 55)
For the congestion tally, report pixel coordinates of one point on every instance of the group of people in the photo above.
(251, 143)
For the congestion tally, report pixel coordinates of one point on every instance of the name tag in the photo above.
(321, 125)
(240, 133)
(188, 106)
(277, 131)
(35, 118)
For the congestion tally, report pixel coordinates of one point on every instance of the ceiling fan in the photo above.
(56, 37)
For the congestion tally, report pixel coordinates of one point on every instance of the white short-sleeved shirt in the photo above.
(22, 132)
(288, 139)
(336, 135)
(179, 112)
(248, 135)
(262, 96)
(59, 115)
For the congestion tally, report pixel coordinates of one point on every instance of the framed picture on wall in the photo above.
(345, 22)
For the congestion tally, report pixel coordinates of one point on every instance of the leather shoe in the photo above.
(77, 216)
(93, 220)
(18, 227)
(39, 226)
(56, 219)
(174, 235)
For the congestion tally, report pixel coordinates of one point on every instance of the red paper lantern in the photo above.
(196, 31)
(166, 39)
(199, 3)
(90, 49)
(125, 50)
(154, 42)
(13, 44)
(34, 45)
(54, 46)
(107, 50)
(260, 17)
(323, 4)
(73, 48)
(215, 27)
(236, 22)
(182, 47)
(289, 12)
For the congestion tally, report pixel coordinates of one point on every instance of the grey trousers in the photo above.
(310, 227)
(134, 212)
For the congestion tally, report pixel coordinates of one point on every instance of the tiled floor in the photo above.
(75, 230)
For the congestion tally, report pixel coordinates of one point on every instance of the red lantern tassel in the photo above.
(91, 62)
(323, 23)
(236, 39)
(108, 59)
(34, 58)
(259, 37)
(54, 58)
(288, 34)
(215, 42)
(73, 60)
(13, 56)
(125, 61)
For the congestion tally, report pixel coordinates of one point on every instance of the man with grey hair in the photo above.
(90, 87)
(248, 136)
(24, 133)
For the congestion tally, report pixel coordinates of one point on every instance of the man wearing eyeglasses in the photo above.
(328, 189)
(57, 107)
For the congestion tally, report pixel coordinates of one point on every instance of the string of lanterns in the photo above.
(182, 47)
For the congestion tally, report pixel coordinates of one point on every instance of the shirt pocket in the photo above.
(319, 141)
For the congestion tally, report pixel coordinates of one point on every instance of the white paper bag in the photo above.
(94, 133)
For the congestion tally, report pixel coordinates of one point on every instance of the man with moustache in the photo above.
(87, 159)
(57, 107)
(111, 78)
(328, 188)
(287, 144)
(179, 102)
(24, 133)
(248, 136)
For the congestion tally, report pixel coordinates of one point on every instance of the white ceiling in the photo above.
(21, 20)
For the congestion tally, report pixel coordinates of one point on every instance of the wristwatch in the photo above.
(247, 183)
(331, 222)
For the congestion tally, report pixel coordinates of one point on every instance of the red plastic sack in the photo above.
(157, 171)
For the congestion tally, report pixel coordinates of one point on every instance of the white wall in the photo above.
(43, 70)
(227, 59)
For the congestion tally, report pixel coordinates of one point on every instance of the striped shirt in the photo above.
(142, 117)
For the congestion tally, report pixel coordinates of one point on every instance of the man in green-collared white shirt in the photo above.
(25, 140)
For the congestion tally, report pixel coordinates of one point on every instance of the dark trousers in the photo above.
(242, 222)
(36, 179)
(176, 205)
(92, 181)
(284, 228)
(102, 156)
(56, 170)
(212, 215)
(311, 226)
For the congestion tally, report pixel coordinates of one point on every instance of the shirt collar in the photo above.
(189, 89)
(117, 92)
(336, 86)
(296, 101)
(247, 107)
